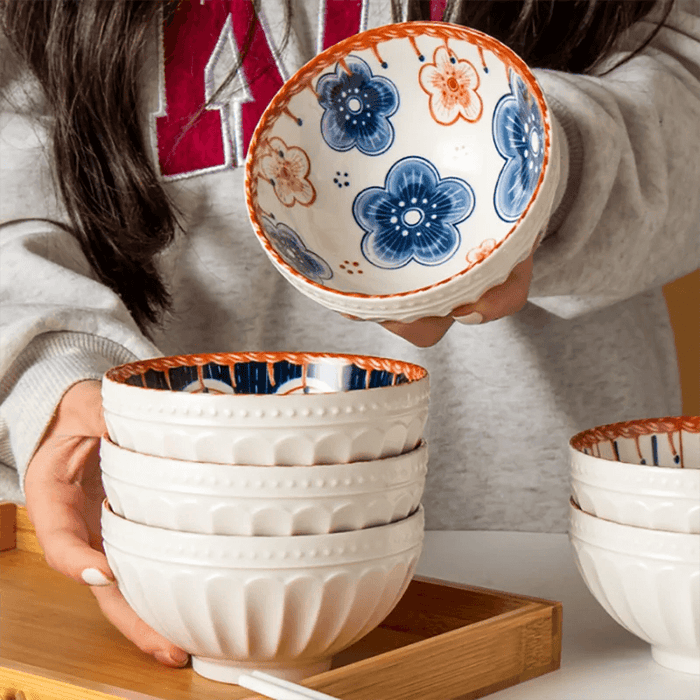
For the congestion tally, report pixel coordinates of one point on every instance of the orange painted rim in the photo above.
(123, 372)
(301, 80)
(634, 428)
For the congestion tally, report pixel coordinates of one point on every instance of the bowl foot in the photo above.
(677, 660)
(228, 670)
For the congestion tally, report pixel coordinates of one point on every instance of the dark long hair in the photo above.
(570, 35)
(87, 56)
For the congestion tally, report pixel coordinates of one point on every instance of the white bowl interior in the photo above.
(642, 473)
(410, 166)
(660, 442)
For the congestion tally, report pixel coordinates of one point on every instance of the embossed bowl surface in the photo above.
(644, 473)
(224, 499)
(285, 605)
(646, 580)
(403, 171)
(270, 409)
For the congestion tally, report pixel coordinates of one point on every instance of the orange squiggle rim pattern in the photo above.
(301, 81)
(634, 428)
(160, 364)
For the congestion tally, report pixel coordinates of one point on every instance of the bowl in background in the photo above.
(403, 171)
(646, 580)
(267, 408)
(644, 473)
(224, 499)
(284, 605)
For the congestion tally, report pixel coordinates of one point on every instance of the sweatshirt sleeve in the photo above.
(629, 217)
(58, 325)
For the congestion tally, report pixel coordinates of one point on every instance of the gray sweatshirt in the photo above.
(592, 346)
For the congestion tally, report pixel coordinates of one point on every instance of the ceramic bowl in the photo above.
(647, 580)
(284, 605)
(403, 171)
(644, 473)
(267, 408)
(223, 499)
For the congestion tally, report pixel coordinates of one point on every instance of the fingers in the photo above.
(64, 504)
(64, 491)
(121, 615)
(424, 332)
(504, 300)
(63, 486)
(79, 412)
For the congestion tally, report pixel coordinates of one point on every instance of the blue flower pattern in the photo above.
(291, 248)
(414, 216)
(357, 106)
(518, 134)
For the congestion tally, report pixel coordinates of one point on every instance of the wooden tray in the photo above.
(442, 642)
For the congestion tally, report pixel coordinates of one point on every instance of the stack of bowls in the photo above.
(635, 530)
(263, 509)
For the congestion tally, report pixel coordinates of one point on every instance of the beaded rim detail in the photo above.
(632, 540)
(396, 471)
(400, 538)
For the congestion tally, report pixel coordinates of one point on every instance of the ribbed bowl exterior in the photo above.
(263, 599)
(258, 516)
(274, 444)
(648, 581)
(263, 615)
(224, 499)
(671, 513)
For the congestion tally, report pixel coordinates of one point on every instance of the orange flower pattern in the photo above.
(481, 252)
(452, 84)
(287, 169)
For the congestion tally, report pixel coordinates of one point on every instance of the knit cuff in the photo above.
(570, 163)
(35, 384)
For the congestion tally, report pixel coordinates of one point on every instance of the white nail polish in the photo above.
(94, 577)
(470, 319)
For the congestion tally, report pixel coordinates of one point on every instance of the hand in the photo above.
(63, 486)
(505, 299)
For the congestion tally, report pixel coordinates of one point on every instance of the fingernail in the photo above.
(178, 658)
(470, 319)
(94, 577)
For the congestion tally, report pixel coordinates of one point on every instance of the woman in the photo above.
(125, 235)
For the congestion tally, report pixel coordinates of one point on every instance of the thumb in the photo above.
(63, 487)
(66, 511)
(64, 495)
